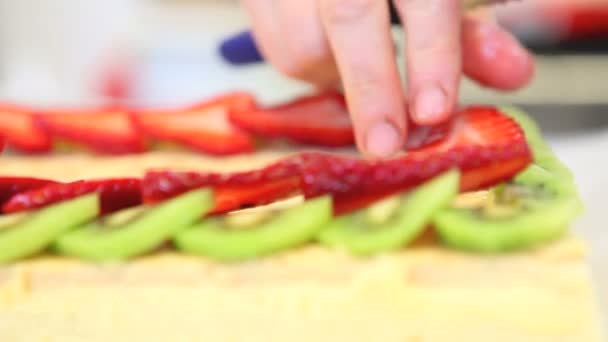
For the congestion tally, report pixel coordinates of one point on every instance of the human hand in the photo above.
(349, 43)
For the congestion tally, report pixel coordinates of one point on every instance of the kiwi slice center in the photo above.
(123, 217)
(382, 211)
(254, 217)
(503, 201)
(470, 200)
(9, 221)
(247, 219)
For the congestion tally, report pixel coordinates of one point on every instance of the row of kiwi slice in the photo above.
(131, 232)
(70, 228)
(535, 207)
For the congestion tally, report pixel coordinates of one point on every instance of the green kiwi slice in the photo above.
(391, 223)
(543, 154)
(255, 234)
(537, 206)
(25, 234)
(135, 231)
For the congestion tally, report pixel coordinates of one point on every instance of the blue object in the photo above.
(241, 49)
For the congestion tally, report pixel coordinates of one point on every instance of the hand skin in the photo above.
(348, 43)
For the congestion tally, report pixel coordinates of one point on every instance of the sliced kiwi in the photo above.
(256, 233)
(543, 154)
(25, 234)
(391, 223)
(537, 206)
(135, 231)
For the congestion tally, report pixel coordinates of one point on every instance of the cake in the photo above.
(429, 290)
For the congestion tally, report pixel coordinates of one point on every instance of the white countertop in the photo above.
(586, 156)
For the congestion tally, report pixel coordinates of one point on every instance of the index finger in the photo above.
(433, 56)
(360, 36)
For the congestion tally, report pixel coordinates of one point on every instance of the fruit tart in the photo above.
(463, 237)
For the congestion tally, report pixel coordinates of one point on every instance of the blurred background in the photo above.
(165, 52)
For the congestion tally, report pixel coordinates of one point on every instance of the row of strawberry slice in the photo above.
(485, 145)
(224, 125)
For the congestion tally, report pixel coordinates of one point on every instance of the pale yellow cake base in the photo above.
(422, 294)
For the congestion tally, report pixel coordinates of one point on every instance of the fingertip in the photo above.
(383, 140)
(433, 57)
(431, 105)
(360, 37)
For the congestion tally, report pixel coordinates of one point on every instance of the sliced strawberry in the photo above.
(486, 146)
(472, 126)
(233, 197)
(204, 127)
(18, 129)
(231, 192)
(321, 120)
(10, 186)
(106, 131)
(419, 137)
(356, 183)
(115, 194)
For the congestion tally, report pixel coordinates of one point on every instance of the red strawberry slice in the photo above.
(321, 120)
(108, 131)
(10, 186)
(419, 137)
(486, 146)
(19, 131)
(115, 194)
(233, 197)
(204, 127)
(472, 126)
(231, 192)
(356, 183)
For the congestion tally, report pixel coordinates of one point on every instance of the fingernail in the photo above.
(383, 140)
(430, 104)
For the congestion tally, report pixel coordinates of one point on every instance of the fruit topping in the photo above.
(419, 137)
(486, 146)
(101, 131)
(393, 222)
(231, 192)
(115, 194)
(19, 131)
(256, 236)
(135, 231)
(204, 127)
(10, 186)
(535, 207)
(25, 234)
(321, 119)
(543, 154)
